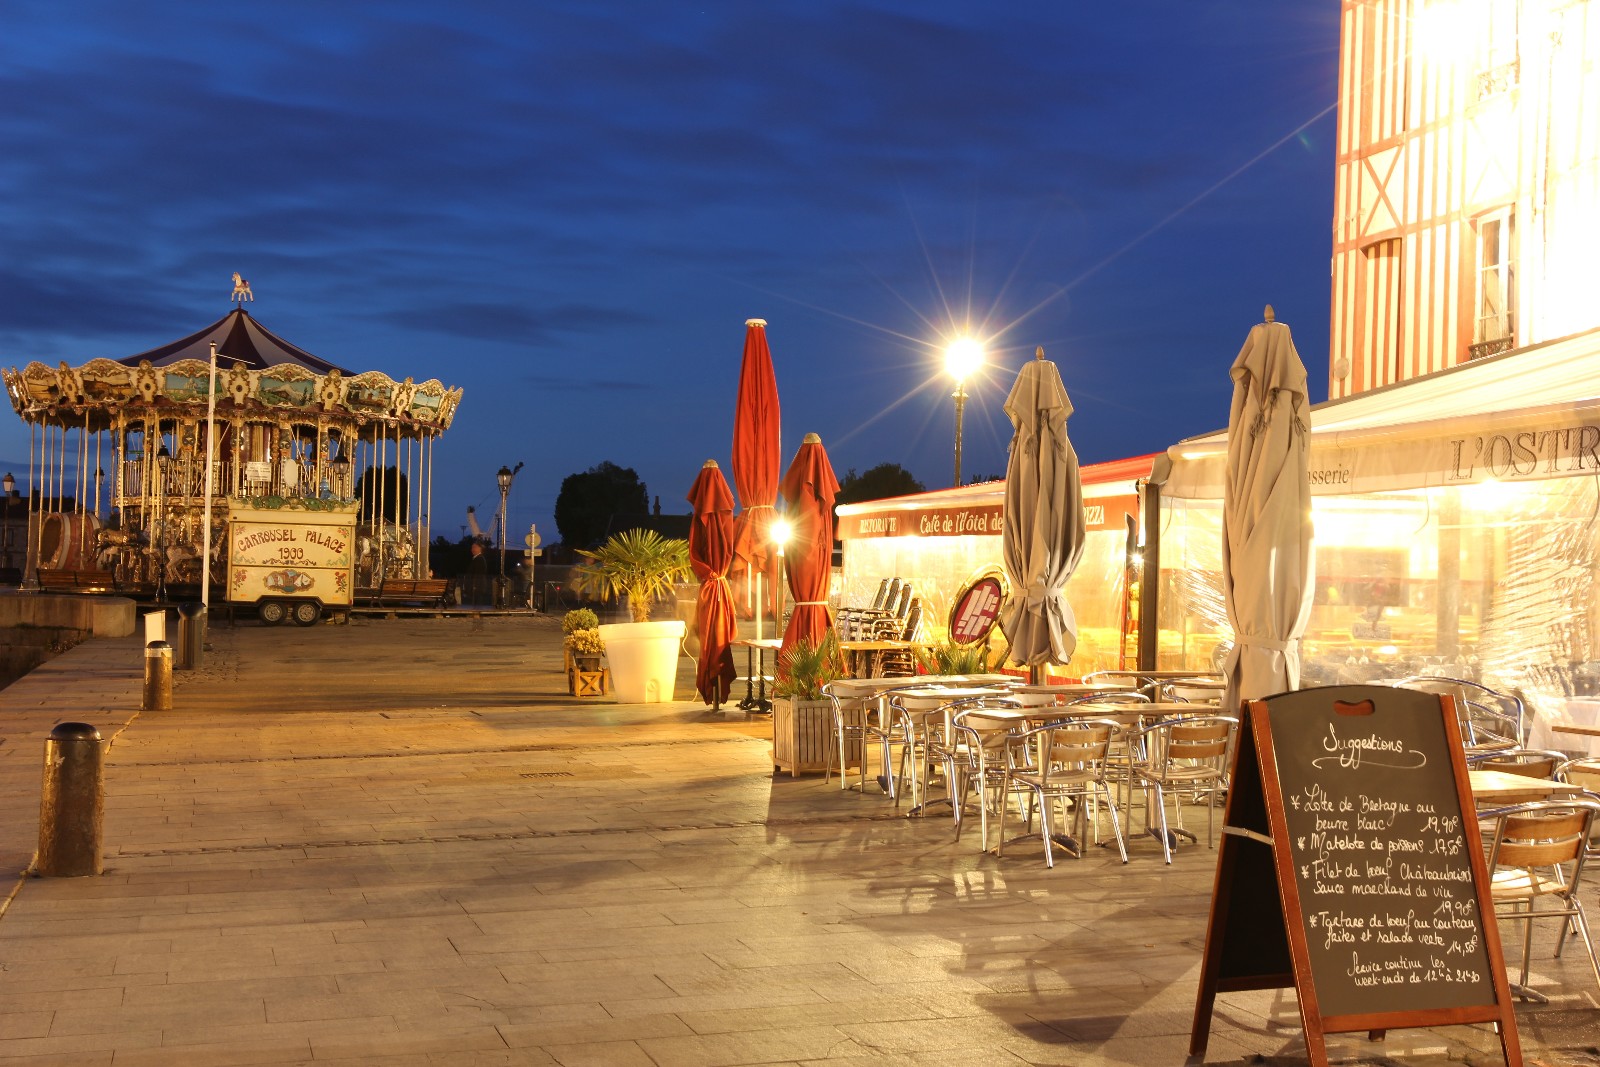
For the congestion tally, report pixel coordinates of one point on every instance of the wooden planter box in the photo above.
(585, 682)
(802, 733)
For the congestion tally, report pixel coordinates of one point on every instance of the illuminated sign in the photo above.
(976, 610)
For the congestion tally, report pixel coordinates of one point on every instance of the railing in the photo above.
(1489, 348)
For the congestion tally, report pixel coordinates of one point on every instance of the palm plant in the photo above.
(638, 564)
(805, 667)
(952, 658)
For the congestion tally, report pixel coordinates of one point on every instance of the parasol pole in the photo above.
(205, 521)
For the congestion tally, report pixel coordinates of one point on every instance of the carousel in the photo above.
(119, 481)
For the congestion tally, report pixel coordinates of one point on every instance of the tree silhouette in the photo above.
(884, 480)
(589, 499)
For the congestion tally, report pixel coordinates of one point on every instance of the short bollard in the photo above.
(71, 803)
(157, 676)
(191, 636)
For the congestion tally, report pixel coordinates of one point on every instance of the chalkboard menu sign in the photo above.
(1351, 869)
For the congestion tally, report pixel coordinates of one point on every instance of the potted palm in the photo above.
(802, 717)
(641, 567)
(951, 658)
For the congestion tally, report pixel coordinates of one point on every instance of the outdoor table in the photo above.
(1588, 731)
(1158, 676)
(858, 652)
(755, 665)
(919, 704)
(1072, 690)
(1135, 715)
(1503, 787)
(858, 696)
(1215, 686)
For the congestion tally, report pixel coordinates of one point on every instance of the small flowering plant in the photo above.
(584, 643)
(579, 619)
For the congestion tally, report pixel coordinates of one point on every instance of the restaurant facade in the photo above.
(940, 541)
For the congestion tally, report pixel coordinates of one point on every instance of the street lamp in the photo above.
(962, 358)
(9, 484)
(778, 534)
(504, 477)
(341, 471)
(163, 463)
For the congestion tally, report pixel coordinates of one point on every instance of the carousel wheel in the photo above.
(307, 612)
(272, 612)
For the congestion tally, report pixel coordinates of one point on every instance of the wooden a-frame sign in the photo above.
(1351, 869)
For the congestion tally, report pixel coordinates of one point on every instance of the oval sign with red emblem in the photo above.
(977, 609)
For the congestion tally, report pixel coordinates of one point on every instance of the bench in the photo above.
(435, 592)
(52, 580)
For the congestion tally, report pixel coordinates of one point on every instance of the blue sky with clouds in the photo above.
(569, 210)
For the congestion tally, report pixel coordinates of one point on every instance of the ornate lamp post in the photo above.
(158, 531)
(341, 476)
(961, 359)
(504, 478)
(9, 484)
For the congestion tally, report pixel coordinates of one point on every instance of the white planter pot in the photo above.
(643, 658)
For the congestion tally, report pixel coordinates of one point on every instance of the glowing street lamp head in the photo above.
(963, 356)
(781, 531)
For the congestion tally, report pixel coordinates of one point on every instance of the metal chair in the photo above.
(1189, 753)
(1537, 852)
(977, 752)
(1490, 720)
(899, 662)
(1531, 762)
(1583, 772)
(1069, 761)
(850, 734)
(883, 594)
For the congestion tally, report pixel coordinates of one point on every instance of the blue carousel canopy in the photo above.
(240, 339)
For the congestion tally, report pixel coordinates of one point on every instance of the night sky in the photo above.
(569, 210)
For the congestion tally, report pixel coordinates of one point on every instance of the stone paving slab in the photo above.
(399, 842)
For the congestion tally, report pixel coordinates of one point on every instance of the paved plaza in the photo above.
(399, 842)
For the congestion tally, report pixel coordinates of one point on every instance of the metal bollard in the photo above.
(191, 636)
(157, 676)
(71, 803)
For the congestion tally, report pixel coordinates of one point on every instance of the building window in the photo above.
(1498, 67)
(1496, 326)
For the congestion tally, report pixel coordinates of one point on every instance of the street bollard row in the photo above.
(71, 803)
(72, 796)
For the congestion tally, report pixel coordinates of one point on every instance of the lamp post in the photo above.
(779, 532)
(961, 359)
(9, 484)
(341, 474)
(159, 525)
(504, 478)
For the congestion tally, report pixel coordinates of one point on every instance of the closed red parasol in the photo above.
(757, 454)
(809, 488)
(711, 554)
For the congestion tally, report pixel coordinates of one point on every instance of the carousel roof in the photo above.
(240, 339)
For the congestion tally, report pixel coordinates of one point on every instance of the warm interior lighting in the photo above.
(1443, 34)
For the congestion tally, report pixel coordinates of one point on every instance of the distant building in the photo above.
(1467, 199)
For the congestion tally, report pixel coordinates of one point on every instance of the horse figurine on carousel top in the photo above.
(241, 289)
